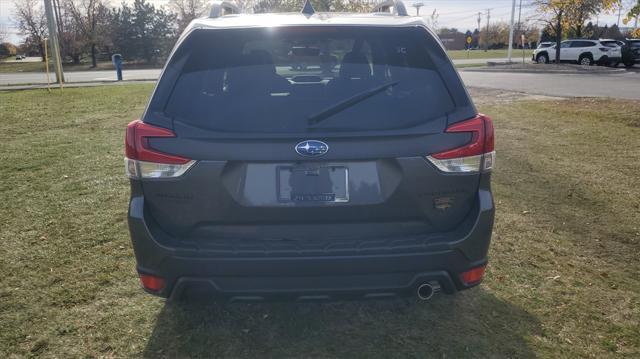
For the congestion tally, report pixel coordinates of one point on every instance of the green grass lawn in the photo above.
(562, 280)
(481, 54)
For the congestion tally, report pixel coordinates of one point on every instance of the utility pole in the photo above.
(479, 32)
(619, 12)
(53, 41)
(513, 15)
(418, 6)
(520, 33)
(519, 24)
(486, 36)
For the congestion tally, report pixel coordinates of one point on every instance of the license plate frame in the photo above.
(303, 184)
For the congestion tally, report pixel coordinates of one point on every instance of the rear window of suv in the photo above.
(304, 79)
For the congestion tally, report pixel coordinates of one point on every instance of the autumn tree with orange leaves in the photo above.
(565, 14)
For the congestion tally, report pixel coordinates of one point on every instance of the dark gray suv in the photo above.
(364, 173)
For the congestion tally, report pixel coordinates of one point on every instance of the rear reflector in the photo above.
(151, 282)
(473, 276)
(142, 161)
(477, 155)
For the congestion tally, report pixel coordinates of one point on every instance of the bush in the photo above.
(7, 49)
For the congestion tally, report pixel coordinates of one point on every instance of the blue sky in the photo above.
(461, 14)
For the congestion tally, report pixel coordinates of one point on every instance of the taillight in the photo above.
(142, 161)
(475, 156)
(473, 276)
(152, 282)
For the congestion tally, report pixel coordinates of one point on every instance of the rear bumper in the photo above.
(611, 59)
(360, 273)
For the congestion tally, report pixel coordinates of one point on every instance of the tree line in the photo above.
(139, 31)
(570, 17)
(91, 28)
(94, 29)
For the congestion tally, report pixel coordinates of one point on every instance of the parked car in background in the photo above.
(20, 57)
(583, 52)
(631, 52)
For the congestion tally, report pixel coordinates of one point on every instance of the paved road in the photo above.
(76, 76)
(26, 59)
(619, 85)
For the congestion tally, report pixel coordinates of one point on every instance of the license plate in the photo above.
(307, 183)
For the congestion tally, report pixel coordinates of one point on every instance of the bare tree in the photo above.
(558, 21)
(3, 34)
(187, 10)
(244, 5)
(432, 20)
(31, 21)
(90, 18)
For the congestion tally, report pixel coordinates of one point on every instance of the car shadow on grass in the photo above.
(470, 324)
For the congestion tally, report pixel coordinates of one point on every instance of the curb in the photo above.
(543, 71)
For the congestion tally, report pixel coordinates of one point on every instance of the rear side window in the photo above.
(582, 44)
(304, 79)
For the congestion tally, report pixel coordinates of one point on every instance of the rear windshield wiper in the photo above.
(345, 104)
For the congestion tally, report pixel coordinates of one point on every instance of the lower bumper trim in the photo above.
(304, 288)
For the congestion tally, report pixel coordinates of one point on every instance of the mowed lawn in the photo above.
(562, 281)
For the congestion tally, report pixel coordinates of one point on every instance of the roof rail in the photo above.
(398, 7)
(221, 8)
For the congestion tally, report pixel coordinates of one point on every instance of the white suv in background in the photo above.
(584, 52)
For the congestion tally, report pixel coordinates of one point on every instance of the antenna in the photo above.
(308, 9)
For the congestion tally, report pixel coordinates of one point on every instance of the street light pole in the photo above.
(513, 14)
(486, 36)
(418, 6)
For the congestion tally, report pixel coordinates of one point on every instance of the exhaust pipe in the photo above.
(427, 290)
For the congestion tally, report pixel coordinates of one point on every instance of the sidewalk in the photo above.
(72, 84)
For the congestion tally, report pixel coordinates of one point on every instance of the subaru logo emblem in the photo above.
(311, 148)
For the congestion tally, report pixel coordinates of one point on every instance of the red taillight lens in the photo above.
(473, 276)
(142, 161)
(478, 154)
(152, 282)
(481, 129)
(137, 144)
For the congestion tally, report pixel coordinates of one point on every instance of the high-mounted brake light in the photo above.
(476, 155)
(142, 161)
